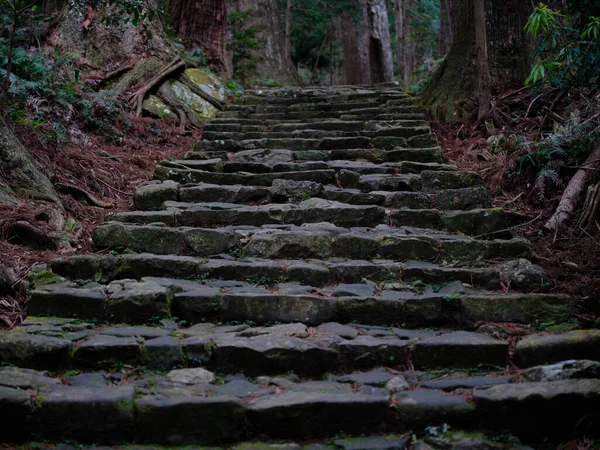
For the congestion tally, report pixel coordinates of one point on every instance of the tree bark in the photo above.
(573, 192)
(403, 47)
(380, 47)
(484, 95)
(451, 91)
(19, 176)
(355, 42)
(110, 46)
(449, 19)
(273, 63)
(203, 24)
(287, 48)
(367, 45)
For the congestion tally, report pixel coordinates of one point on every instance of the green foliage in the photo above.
(542, 161)
(244, 39)
(568, 49)
(312, 30)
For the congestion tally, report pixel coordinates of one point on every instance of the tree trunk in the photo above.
(449, 19)
(445, 29)
(356, 65)
(484, 95)
(18, 174)
(367, 45)
(273, 63)
(106, 46)
(203, 24)
(287, 48)
(380, 47)
(403, 47)
(451, 91)
(509, 48)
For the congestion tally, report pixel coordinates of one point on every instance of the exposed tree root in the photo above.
(199, 92)
(136, 99)
(80, 195)
(166, 95)
(573, 192)
(591, 208)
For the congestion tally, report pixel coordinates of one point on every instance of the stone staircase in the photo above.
(311, 271)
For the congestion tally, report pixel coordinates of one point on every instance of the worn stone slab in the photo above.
(189, 420)
(107, 350)
(272, 354)
(451, 384)
(372, 443)
(562, 406)
(519, 308)
(34, 351)
(551, 348)
(162, 353)
(430, 407)
(261, 308)
(459, 349)
(565, 370)
(311, 415)
(368, 351)
(61, 300)
(85, 415)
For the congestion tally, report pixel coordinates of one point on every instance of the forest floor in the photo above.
(571, 258)
(109, 171)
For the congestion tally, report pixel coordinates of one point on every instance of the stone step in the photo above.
(267, 300)
(314, 232)
(195, 406)
(520, 275)
(153, 195)
(218, 149)
(310, 131)
(317, 240)
(58, 344)
(477, 222)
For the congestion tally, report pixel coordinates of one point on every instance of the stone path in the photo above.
(311, 270)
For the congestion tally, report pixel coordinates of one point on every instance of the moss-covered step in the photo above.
(194, 406)
(312, 240)
(266, 300)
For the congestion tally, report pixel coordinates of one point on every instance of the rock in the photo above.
(460, 440)
(294, 191)
(36, 352)
(13, 377)
(563, 406)
(271, 354)
(189, 420)
(151, 196)
(368, 351)
(372, 443)
(397, 384)
(459, 349)
(550, 348)
(376, 377)
(311, 415)
(450, 384)
(155, 106)
(108, 413)
(15, 407)
(163, 353)
(106, 350)
(427, 407)
(191, 376)
(344, 331)
(89, 380)
(565, 370)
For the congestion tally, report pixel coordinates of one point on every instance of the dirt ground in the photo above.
(109, 171)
